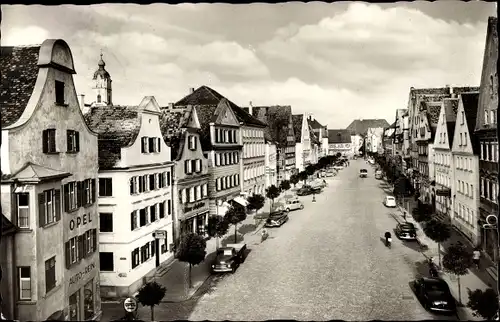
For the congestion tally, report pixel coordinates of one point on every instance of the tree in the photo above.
(303, 176)
(403, 189)
(310, 170)
(338, 155)
(272, 193)
(235, 216)
(483, 303)
(151, 294)
(294, 179)
(323, 162)
(285, 185)
(255, 202)
(457, 260)
(422, 213)
(438, 232)
(217, 227)
(191, 250)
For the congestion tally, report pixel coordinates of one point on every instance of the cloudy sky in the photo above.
(338, 61)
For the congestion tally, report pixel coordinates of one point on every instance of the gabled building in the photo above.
(388, 141)
(303, 142)
(181, 131)
(321, 133)
(486, 131)
(373, 139)
(315, 145)
(466, 164)
(444, 167)
(359, 129)
(220, 141)
(135, 182)
(280, 126)
(339, 141)
(49, 174)
(401, 142)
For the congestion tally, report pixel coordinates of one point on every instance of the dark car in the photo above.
(435, 295)
(276, 219)
(406, 231)
(304, 191)
(363, 173)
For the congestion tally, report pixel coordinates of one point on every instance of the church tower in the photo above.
(102, 87)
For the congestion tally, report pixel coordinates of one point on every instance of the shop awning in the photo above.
(241, 201)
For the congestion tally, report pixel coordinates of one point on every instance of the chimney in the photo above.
(82, 101)
(191, 90)
(250, 108)
(170, 105)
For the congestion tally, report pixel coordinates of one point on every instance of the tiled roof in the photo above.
(205, 95)
(18, 71)
(297, 126)
(450, 106)
(361, 126)
(277, 118)
(466, 89)
(339, 136)
(470, 103)
(117, 126)
(314, 123)
(7, 226)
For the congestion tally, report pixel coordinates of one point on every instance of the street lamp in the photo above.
(492, 223)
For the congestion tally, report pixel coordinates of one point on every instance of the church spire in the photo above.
(102, 84)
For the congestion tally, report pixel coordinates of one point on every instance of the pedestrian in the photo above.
(264, 234)
(476, 256)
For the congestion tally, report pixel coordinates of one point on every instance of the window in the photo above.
(205, 190)
(169, 206)
(59, 87)
(152, 144)
(152, 213)
(161, 209)
(49, 141)
(133, 220)
(142, 217)
(106, 262)
(89, 242)
(133, 185)
(198, 165)
(24, 283)
(494, 192)
(168, 178)
(472, 190)
(487, 155)
(482, 188)
(142, 184)
(465, 138)
(192, 142)
(187, 167)
(73, 141)
(105, 187)
(23, 210)
(486, 115)
(72, 251)
(89, 191)
(98, 98)
(482, 151)
(135, 258)
(153, 248)
(461, 139)
(105, 222)
(146, 213)
(144, 144)
(152, 182)
(184, 196)
(49, 207)
(71, 194)
(145, 254)
(50, 274)
(493, 116)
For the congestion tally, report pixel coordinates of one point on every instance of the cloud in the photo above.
(29, 35)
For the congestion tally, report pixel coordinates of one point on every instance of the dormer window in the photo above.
(59, 87)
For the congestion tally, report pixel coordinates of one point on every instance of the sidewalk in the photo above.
(475, 279)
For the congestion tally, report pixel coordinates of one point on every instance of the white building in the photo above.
(271, 164)
(374, 136)
(303, 142)
(466, 150)
(339, 141)
(321, 134)
(135, 194)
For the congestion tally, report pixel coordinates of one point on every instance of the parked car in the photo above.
(363, 173)
(390, 202)
(338, 167)
(293, 204)
(276, 219)
(229, 258)
(331, 173)
(406, 231)
(435, 294)
(378, 175)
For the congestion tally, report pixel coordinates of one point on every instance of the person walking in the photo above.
(476, 256)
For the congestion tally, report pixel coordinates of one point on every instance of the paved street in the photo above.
(327, 262)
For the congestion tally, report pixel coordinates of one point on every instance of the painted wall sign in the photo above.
(78, 276)
(194, 207)
(79, 221)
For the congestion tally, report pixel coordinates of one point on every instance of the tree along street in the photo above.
(327, 262)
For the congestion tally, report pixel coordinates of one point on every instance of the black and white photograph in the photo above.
(306, 161)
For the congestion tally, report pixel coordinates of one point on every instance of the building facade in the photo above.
(8, 285)
(374, 138)
(180, 130)
(271, 158)
(339, 141)
(303, 142)
(220, 140)
(135, 181)
(49, 157)
(486, 131)
(444, 165)
(401, 142)
(321, 133)
(466, 164)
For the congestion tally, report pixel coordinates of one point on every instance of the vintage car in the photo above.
(229, 258)
(363, 173)
(435, 295)
(276, 219)
(406, 231)
(293, 204)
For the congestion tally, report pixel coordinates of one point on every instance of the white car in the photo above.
(390, 202)
(293, 204)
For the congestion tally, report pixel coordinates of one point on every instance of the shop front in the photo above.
(83, 290)
(195, 217)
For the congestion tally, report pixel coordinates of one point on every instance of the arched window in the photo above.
(98, 98)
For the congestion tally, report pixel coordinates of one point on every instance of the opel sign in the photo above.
(130, 304)
(492, 220)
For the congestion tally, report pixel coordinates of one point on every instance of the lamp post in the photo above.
(492, 223)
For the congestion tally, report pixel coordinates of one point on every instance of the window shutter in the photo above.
(57, 197)
(77, 139)
(52, 141)
(84, 243)
(143, 144)
(195, 142)
(80, 245)
(93, 191)
(94, 240)
(79, 194)
(186, 166)
(41, 209)
(66, 197)
(45, 141)
(69, 144)
(198, 168)
(159, 144)
(67, 254)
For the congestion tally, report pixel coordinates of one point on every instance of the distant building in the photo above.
(358, 130)
(303, 142)
(373, 139)
(321, 133)
(339, 141)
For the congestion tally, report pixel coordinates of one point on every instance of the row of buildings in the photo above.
(85, 186)
(446, 142)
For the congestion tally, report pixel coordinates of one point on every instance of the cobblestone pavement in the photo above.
(327, 262)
